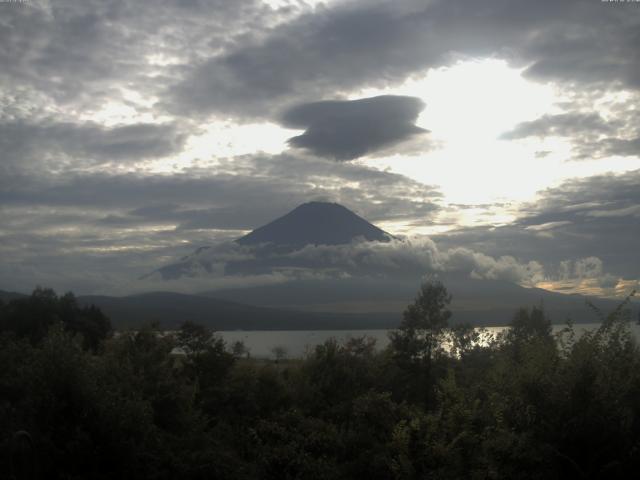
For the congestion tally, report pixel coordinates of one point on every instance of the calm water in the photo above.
(296, 342)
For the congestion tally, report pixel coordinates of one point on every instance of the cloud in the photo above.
(407, 258)
(592, 136)
(562, 125)
(268, 187)
(85, 143)
(587, 276)
(349, 129)
(350, 45)
(128, 224)
(67, 207)
(590, 267)
(481, 266)
(592, 217)
(631, 211)
(620, 146)
(247, 59)
(83, 55)
(542, 227)
(314, 55)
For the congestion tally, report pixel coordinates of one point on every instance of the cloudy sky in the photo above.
(506, 131)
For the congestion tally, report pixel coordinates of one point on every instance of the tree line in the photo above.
(441, 401)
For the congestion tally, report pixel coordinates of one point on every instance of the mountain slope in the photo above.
(171, 309)
(479, 302)
(267, 247)
(8, 296)
(315, 223)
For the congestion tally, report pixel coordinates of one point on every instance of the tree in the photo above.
(206, 362)
(280, 352)
(239, 349)
(32, 317)
(530, 324)
(423, 323)
(194, 339)
(418, 340)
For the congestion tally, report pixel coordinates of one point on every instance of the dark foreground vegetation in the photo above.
(77, 402)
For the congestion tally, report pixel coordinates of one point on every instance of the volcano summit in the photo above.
(265, 249)
(316, 223)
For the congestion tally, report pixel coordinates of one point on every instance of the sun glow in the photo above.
(468, 107)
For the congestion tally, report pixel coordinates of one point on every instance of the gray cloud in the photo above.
(591, 217)
(345, 130)
(269, 185)
(619, 146)
(243, 59)
(83, 54)
(562, 125)
(247, 59)
(402, 259)
(126, 225)
(85, 143)
(356, 44)
(592, 136)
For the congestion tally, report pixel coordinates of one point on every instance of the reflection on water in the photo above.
(261, 344)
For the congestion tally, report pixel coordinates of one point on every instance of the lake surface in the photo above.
(297, 342)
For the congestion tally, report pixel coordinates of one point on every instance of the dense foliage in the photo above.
(440, 402)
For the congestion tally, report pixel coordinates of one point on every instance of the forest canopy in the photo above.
(77, 401)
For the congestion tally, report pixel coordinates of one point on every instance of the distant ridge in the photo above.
(8, 296)
(171, 309)
(316, 223)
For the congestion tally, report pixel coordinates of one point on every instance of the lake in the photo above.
(297, 342)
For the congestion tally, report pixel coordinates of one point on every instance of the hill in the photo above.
(171, 309)
(8, 296)
(478, 302)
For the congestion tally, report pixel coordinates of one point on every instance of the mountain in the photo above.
(316, 223)
(478, 302)
(8, 296)
(266, 248)
(322, 259)
(341, 304)
(338, 305)
(171, 309)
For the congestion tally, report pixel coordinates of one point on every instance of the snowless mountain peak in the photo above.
(316, 223)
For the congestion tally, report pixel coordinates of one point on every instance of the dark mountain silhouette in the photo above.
(478, 302)
(336, 305)
(8, 296)
(316, 223)
(171, 309)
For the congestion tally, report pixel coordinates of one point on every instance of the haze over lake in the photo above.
(297, 343)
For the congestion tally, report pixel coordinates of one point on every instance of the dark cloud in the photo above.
(355, 44)
(620, 146)
(314, 55)
(247, 59)
(86, 143)
(84, 54)
(349, 129)
(269, 186)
